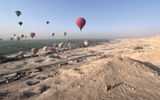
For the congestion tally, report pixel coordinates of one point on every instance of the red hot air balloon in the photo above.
(32, 35)
(80, 22)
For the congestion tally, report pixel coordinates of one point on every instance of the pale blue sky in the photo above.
(105, 18)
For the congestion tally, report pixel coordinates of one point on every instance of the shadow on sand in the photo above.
(149, 65)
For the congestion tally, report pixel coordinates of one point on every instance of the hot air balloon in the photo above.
(64, 33)
(17, 38)
(52, 50)
(47, 22)
(60, 45)
(80, 22)
(69, 44)
(22, 36)
(34, 50)
(11, 38)
(32, 34)
(21, 53)
(14, 35)
(86, 43)
(45, 48)
(20, 23)
(18, 13)
(52, 34)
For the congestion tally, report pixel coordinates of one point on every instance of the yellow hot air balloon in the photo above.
(60, 45)
(64, 33)
(17, 38)
(45, 48)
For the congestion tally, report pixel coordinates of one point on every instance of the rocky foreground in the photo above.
(127, 69)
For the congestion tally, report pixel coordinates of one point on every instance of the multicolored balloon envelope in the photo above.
(80, 22)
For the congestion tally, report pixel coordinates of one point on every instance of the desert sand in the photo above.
(122, 69)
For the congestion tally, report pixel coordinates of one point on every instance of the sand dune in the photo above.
(121, 69)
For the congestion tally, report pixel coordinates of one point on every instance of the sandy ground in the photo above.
(127, 69)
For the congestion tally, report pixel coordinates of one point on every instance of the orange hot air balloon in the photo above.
(32, 34)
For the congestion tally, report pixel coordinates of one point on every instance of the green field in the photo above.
(8, 47)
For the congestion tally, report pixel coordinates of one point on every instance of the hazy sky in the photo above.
(105, 18)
